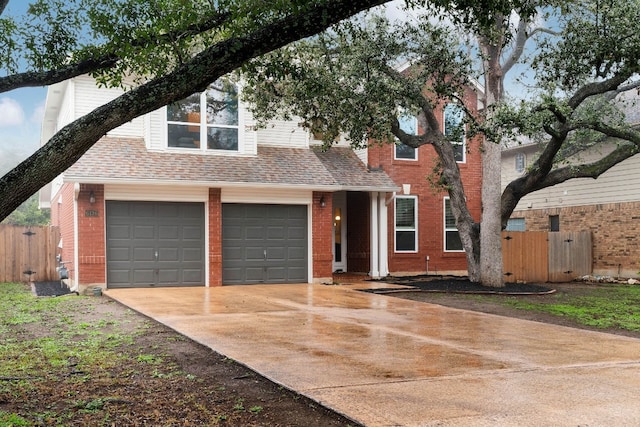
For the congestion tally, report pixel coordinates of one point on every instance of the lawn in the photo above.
(607, 307)
(90, 361)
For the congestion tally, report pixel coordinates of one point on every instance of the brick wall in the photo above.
(615, 229)
(430, 205)
(91, 235)
(322, 220)
(215, 237)
(62, 217)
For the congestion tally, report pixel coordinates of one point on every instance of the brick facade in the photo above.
(615, 228)
(62, 217)
(430, 204)
(91, 222)
(215, 237)
(322, 235)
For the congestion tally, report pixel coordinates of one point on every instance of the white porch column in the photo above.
(383, 236)
(375, 267)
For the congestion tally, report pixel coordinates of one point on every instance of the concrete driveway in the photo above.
(385, 361)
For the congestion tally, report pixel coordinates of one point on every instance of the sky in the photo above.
(21, 113)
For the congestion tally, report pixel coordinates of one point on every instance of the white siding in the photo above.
(619, 184)
(157, 132)
(161, 193)
(67, 108)
(363, 155)
(89, 96)
(264, 195)
(282, 133)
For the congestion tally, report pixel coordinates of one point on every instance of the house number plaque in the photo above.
(90, 212)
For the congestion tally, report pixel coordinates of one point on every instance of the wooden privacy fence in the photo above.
(28, 253)
(541, 256)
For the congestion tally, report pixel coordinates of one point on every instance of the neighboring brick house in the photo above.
(150, 205)
(609, 207)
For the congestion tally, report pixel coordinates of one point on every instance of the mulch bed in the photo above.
(50, 289)
(450, 284)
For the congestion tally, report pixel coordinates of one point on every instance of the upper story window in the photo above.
(520, 162)
(454, 128)
(409, 124)
(210, 116)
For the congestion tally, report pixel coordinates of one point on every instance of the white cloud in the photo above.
(11, 113)
(38, 113)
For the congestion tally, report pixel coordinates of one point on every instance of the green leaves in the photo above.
(356, 78)
(598, 39)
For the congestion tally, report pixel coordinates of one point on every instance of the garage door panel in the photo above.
(168, 232)
(276, 232)
(142, 210)
(192, 254)
(168, 255)
(253, 254)
(120, 276)
(119, 254)
(144, 276)
(276, 254)
(120, 232)
(253, 274)
(136, 231)
(297, 274)
(168, 210)
(143, 254)
(169, 276)
(298, 254)
(276, 275)
(250, 230)
(296, 233)
(141, 232)
(254, 232)
(192, 233)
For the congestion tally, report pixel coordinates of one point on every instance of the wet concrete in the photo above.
(385, 361)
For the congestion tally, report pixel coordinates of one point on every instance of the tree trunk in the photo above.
(490, 222)
(490, 231)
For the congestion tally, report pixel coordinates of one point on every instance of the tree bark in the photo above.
(490, 224)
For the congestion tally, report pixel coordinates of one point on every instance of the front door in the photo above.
(340, 232)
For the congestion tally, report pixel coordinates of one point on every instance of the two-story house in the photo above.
(193, 194)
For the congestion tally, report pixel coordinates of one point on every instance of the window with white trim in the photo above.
(406, 224)
(409, 124)
(210, 116)
(520, 162)
(452, 242)
(453, 119)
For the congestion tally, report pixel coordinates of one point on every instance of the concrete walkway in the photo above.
(385, 361)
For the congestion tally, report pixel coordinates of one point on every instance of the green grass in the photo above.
(29, 354)
(44, 344)
(602, 306)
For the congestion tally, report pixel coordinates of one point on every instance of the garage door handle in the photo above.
(265, 254)
(156, 255)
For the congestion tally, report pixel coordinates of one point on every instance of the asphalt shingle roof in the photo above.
(127, 160)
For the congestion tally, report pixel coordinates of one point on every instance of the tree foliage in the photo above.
(348, 81)
(175, 48)
(28, 214)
